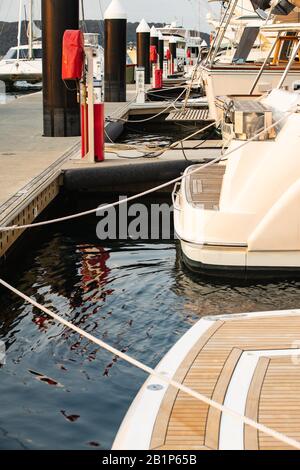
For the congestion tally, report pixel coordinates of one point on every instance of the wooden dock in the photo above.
(30, 164)
(33, 168)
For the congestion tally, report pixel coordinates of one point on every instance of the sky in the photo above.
(191, 12)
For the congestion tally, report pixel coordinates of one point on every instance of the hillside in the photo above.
(9, 31)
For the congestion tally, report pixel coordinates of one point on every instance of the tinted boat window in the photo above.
(37, 53)
(23, 54)
(12, 54)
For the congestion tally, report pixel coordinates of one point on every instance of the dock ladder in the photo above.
(224, 23)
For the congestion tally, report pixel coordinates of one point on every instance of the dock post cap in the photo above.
(143, 27)
(154, 32)
(172, 40)
(115, 11)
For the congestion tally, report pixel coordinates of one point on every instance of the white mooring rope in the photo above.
(171, 105)
(198, 396)
(152, 190)
(187, 88)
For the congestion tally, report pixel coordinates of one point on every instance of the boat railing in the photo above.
(281, 38)
(225, 21)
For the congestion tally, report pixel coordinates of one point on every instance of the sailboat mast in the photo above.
(19, 28)
(30, 32)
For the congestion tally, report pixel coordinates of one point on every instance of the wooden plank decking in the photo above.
(252, 406)
(203, 188)
(279, 406)
(274, 394)
(190, 115)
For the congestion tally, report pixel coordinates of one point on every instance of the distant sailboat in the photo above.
(24, 62)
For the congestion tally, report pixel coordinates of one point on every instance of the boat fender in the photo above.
(113, 130)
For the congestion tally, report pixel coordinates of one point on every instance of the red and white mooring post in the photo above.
(92, 113)
(78, 65)
(168, 57)
(153, 62)
(154, 53)
(143, 49)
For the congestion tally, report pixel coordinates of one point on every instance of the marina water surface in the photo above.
(59, 391)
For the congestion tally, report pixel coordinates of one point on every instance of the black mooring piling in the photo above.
(161, 51)
(115, 50)
(61, 108)
(154, 43)
(154, 37)
(173, 49)
(143, 48)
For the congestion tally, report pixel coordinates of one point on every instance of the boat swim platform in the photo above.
(190, 115)
(203, 187)
(248, 363)
(162, 107)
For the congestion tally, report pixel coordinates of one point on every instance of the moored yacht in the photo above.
(225, 370)
(17, 66)
(241, 215)
(189, 43)
(24, 62)
(255, 43)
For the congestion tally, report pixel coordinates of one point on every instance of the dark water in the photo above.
(57, 390)
(162, 134)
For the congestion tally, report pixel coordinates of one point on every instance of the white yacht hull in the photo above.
(246, 217)
(238, 80)
(228, 262)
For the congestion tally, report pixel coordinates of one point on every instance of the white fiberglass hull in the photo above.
(253, 224)
(228, 262)
(24, 70)
(238, 80)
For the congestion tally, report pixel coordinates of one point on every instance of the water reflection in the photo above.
(59, 391)
(118, 292)
(217, 296)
